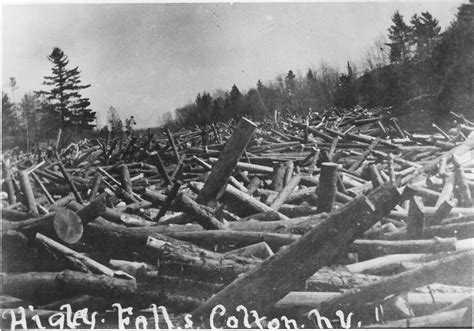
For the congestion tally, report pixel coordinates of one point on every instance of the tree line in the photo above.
(414, 66)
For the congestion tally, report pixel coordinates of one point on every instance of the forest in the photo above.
(415, 67)
(416, 72)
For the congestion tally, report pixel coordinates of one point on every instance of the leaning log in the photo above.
(458, 266)
(263, 286)
(227, 161)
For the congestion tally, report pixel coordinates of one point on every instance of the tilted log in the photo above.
(285, 192)
(169, 199)
(8, 182)
(28, 192)
(441, 212)
(85, 263)
(161, 168)
(68, 179)
(232, 195)
(364, 155)
(448, 319)
(263, 286)
(460, 185)
(198, 213)
(227, 161)
(125, 183)
(458, 266)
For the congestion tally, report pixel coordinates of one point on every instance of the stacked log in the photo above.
(307, 218)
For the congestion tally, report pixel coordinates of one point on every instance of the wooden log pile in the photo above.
(304, 220)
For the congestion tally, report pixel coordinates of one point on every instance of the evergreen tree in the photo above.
(204, 105)
(10, 120)
(257, 108)
(345, 95)
(424, 29)
(399, 35)
(65, 93)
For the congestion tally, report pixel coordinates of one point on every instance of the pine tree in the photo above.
(425, 29)
(65, 93)
(399, 35)
(10, 120)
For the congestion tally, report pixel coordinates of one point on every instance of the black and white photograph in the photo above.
(237, 165)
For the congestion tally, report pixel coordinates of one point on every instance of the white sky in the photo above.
(147, 59)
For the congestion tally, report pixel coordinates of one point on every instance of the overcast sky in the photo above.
(147, 59)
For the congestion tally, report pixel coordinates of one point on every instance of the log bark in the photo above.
(44, 287)
(285, 192)
(449, 319)
(327, 187)
(416, 218)
(178, 258)
(227, 161)
(68, 179)
(458, 266)
(9, 184)
(198, 213)
(278, 177)
(169, 199)
(262, 287)
(28, 193)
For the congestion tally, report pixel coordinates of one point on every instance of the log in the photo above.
(430, 196)
(259, 250)
(173, 146)
(285, 192)
(79, 259)
(327, 187)
(447, 191)
(161, 168)
(449, 319)
(44, 287)
(225, 240)
(126, 184)
(375, 176)
(42, 187)
(262, 287)
(9, 184)
(278, 177)
(338, 279)
(458, 266)
(178, 258)
(357, 163)
(416, 218)
(231, 195)
(441, 212)
(28, 192)
(227, 161)
(198, 213)
(460, 185)
(252, 168)
(374, 248)
(383, 264)
(169, 199)
(69, 181)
